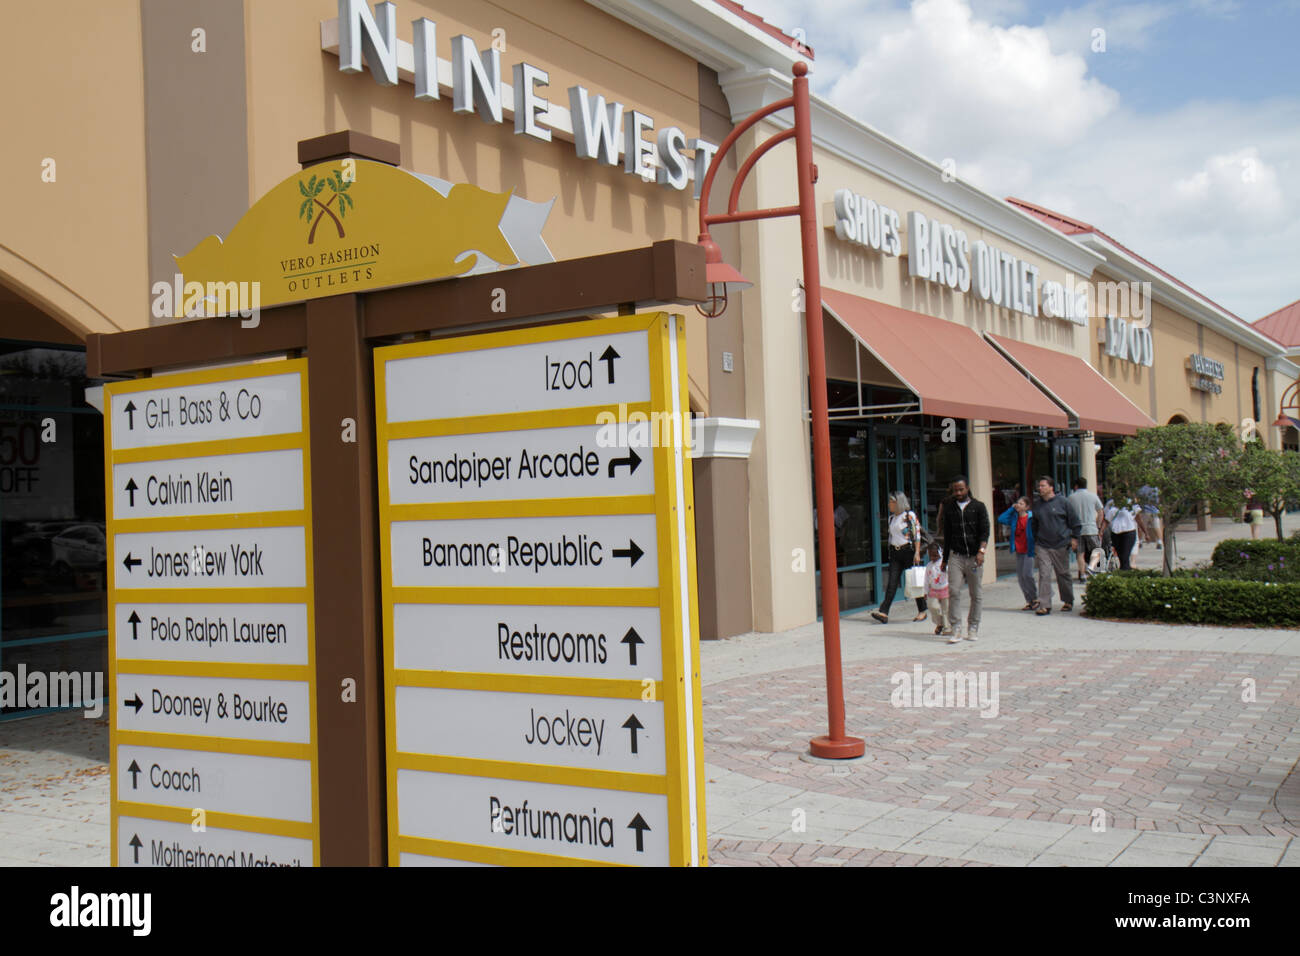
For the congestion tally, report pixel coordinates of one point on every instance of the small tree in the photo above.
(1274, 477)
(1189, 465)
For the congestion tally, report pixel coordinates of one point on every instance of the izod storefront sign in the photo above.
(1129, 342)
(940, 253)
(352, 226)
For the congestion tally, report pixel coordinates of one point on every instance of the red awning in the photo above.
(1097, 405)
(950, 368)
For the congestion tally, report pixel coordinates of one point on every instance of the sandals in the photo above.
(922, 616)
(1043, 611)
(1031, 606)
(1067, 607)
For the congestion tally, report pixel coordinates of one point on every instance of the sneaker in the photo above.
(973, 633)
(947, 632)
(955, 638)
(882, 618)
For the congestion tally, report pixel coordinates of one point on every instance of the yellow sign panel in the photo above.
(212, 740)
(540, 626)
(351, 226)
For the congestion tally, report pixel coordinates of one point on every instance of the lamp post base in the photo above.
(842, 749)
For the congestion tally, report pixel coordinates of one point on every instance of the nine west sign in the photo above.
(600, 130)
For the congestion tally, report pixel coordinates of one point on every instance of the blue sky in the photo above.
(1181, 138)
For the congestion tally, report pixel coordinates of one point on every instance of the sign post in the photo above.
(540, 638)
(212, 736)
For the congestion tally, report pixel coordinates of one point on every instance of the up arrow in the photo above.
(631, 639)
(631, 551)
(608, 357)
(135, 702)
(134, 771)
(129, 408)
(640, 826)
(134, 621)
(135, 844)
(633, 725)
(131, 563)
(131, 488)
(632, 461)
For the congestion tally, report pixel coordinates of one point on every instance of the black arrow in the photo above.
(134, 621)
(631, 639)
(633, 460)
(608, 357)
(131, 488)
(640, 826)
(134, 771)
(135, 702)
(131, 562)
(631, 551)
(130, 423)
(633, 725)
(136, 844)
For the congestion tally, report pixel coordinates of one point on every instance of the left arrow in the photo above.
(131, 563)
(135, 702)
(131, 488)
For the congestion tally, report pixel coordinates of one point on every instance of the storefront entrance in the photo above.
(1018, 462)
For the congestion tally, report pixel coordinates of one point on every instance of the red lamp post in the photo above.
(1288, 414)
(720, 276)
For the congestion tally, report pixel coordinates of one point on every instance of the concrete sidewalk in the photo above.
(1138, 728)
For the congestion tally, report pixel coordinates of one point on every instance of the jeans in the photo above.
(1053, 562)
(900, 559)
(964, 573)
(939, 613)
(1124, 541)
(1025, 575)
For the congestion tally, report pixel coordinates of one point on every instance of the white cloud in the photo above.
(1017, 110)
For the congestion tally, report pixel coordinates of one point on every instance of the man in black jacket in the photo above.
(965, 531)
(1056, 531)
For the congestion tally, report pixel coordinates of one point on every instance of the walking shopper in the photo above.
(1149, 519)
(1122, 520)
(1254, 513)
(965, 534)
(1090, 516)
(1056, 531)
(936, 591)
(904, 552)
(1019, 518)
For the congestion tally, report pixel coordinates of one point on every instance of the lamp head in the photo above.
(721, 278)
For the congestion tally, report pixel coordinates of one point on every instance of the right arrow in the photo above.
(136, 844)
(632, 461)
(129, 408)
(631, 551)
(134, 621)
(135, 702)
(134, 771)
(633, 725)
(131, 488)
(631, 639)
(131, 562)
(640, 826)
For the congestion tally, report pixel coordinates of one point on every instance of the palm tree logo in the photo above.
(312, 189)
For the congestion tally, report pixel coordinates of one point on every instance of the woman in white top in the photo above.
(1122, 520)
(904, 552)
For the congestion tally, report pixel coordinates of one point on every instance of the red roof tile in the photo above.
(1075, 227)
(1283, 325)
(770, 29)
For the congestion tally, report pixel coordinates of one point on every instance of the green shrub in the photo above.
(1262, 560)
(1192, 598)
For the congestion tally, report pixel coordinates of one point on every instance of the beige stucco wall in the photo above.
(73, 84)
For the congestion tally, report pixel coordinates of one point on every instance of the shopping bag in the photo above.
(914, 582)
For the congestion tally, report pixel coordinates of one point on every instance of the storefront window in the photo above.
(53, 611)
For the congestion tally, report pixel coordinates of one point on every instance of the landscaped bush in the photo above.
(1192, 598)
(1257, 560)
